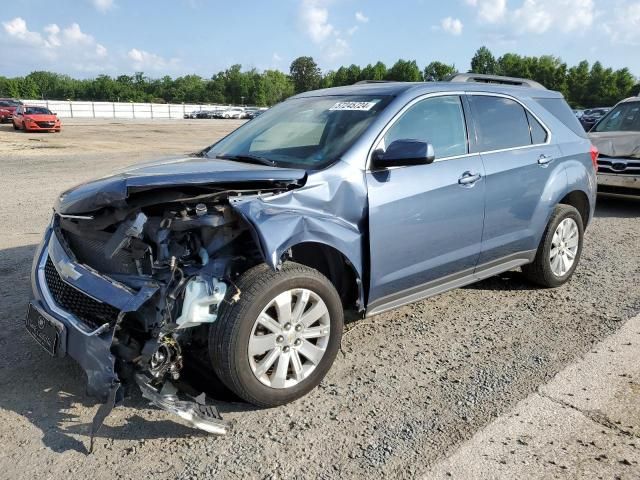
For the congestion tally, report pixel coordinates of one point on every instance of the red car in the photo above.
(36, 119)
(7, 108)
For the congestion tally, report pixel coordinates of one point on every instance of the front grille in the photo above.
(90, 311)
(622, 166)
(90, 251)
(46, 124)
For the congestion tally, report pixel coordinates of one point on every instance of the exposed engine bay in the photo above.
(190, 245)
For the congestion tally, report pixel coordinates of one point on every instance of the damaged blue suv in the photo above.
(243, 258)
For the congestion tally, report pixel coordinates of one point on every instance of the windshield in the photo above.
(309, 133)
(9, 103)
(37, 111)
(624, 118)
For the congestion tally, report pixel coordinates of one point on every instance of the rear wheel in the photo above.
(280, 338)
(15, 126)
(560, 249)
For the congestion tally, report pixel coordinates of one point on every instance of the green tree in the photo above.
(328, 79)
(305, 74)
(484, 62)
(624, 83)
(27, 88)
(278, 87)
(374, 72)
(513, 65)
(9, 87)
(215, 89)
(404, 71)
(438, 71)
(596, 86)
(549, 71)
(578, 84)
(340, 77)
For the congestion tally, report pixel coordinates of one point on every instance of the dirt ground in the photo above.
(407, 388)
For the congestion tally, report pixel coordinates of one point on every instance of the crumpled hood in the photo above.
(115, 189)
(617, 144)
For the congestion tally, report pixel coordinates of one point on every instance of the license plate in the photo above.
(42, 329)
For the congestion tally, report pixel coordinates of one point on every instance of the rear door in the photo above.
(425, 221)
(518, 159)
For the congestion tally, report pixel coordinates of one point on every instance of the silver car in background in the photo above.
(617, 138)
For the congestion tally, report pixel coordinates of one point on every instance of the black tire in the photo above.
(15, 127)
(230, 334)
(540, 271)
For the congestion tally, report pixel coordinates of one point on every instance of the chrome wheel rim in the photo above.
(564, 247)
(289, 338)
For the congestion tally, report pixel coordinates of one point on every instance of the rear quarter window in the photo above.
(500, 122)
(559, 109)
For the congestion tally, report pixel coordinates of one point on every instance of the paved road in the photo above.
(585, 423)
(408, 388)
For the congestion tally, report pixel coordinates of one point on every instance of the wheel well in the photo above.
(333, 265)
(580, 202)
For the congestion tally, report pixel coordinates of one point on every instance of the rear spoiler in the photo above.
(482, 78)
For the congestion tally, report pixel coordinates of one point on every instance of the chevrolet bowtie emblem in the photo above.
(67, 270)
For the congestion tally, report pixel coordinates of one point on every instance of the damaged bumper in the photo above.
(618, 180)
(75, 312)
(197, 412)
(69, 295)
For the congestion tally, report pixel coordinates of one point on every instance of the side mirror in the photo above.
(404, 153)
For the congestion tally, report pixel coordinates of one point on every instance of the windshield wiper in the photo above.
(249, 159)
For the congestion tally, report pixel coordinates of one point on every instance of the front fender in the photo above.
(329, 209)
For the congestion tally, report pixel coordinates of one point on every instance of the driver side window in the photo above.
(438, 121)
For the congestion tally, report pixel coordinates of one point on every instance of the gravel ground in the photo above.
(407, 388)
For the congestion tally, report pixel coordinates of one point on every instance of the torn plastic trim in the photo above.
(92, 283)
(198, 413)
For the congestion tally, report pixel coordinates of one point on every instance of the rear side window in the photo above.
(559, 109)
(500, 123)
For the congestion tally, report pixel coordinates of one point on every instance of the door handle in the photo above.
(545, 159)
(469, 178)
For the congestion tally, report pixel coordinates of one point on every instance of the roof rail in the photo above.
(363, 82)
(482, 78)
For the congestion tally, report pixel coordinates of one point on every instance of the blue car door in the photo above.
(425, 221)
(518, 159)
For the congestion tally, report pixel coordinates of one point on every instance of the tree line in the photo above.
(583, 85)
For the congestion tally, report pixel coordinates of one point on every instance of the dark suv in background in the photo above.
(244, 257)
(591, 116)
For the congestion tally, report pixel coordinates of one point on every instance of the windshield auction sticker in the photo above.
(362, 106)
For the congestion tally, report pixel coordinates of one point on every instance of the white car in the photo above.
(233, 113)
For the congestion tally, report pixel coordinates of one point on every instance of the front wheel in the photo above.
(560, 249)
(279, 339)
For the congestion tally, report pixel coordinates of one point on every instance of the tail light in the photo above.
(594, 157)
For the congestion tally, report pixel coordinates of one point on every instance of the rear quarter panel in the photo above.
(574, 164)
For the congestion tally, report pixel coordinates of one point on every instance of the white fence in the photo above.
(149, 111)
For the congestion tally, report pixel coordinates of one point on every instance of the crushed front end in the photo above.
(129, 289)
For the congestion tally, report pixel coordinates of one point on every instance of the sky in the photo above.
(86, 38)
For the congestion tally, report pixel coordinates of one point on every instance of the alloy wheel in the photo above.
(289, 338)
(564, 247)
